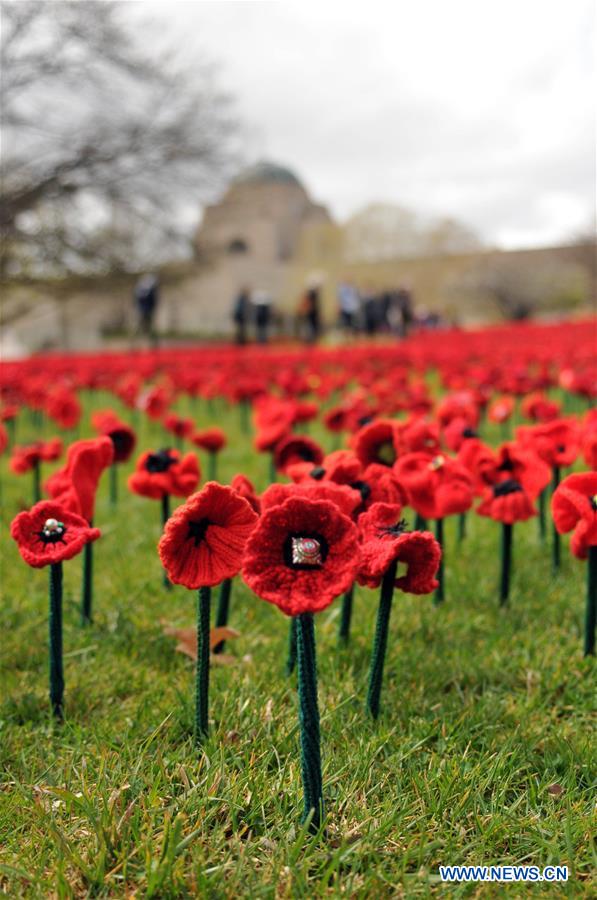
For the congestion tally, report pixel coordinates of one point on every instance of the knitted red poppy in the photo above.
(48, 533)
(384, 539)
(539, 408)
(437, 486)
(64, 408)
(477, 458)
(514, 462)
(296, 448)
(210, 439)
(24, 458)
(178, 425)
(164, 472)
(243, 486)
(574, 508)
(418, 434)
(75, 485)
(457, 432)
(501, 409)
(507, 502)
(379, 484)
(346, 499)
(377, 442)
(204, 539)
(123, 438)
(301, 555)
(556, 442)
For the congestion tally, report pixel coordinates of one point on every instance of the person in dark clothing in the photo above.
(241, 314)
(146, 296)
(312, 313)
(404, 300)
(263, 314)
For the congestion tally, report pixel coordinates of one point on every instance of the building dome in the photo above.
(267, 173)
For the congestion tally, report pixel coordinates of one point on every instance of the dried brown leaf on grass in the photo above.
(187, 641)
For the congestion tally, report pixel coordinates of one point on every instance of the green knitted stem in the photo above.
(309, 721)
(202, 672)
(243, 408)
(591, 613)
(506, 563)
(439, 536)
(541, 519)
(556, 534)
(113, 485)
(273, 475)
(291, 659)
(213, 466)
(345, 616)
(36, 481)
(223, 610)
(55, 638)
(461, 527)
(87, 585)
(165, 517)
(380, 642)
(420, 523)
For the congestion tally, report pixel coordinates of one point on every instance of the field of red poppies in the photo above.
(417, 688)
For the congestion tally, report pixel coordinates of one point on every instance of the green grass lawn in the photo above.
(484, 711)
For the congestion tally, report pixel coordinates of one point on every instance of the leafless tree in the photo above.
(106, 143)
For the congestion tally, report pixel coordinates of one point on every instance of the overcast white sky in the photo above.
(480, 110)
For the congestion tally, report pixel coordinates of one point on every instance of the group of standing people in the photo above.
(255, 309)
(371, 311)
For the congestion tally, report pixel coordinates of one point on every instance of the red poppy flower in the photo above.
(507, 502)
(273, 420)
(296, 448)
(155, 402)
(556, 442)
(539, 408)
(501, 409)
(477, 458)
(457, 432)
(48, 533)
(513, 462)
(24, 458)
(574, 508)
(346, 498)
(165, 472)
(64, 408)
(418, 435)
(75, 485)
(437, 486)
(384, 539)
(460, 405)
(178, 425)
(122, 435)
(341, 467)
(378, 484)
(243, 486)
(378, 442)
(210, 439)
(301, 555)
(204, 539)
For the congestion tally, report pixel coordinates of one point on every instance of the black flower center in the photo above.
(53, 532)
(160, 461)
(363, 488)
(198, 530)
(317, 473)
(507, 487)
(386, 453)
(469, 433)
(305, 552)
(506, 466)
(593, 502)
(121, 441)
(395, 530)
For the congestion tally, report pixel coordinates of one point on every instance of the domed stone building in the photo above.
(260, 217)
